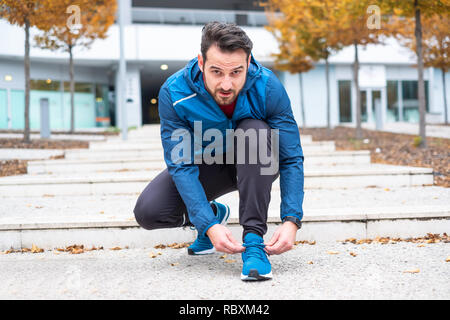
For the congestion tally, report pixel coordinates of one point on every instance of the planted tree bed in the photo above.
(392, 148)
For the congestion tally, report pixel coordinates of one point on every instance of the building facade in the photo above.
(162, 36)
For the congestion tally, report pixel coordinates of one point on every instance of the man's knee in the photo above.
(253, 124)
(143, 214)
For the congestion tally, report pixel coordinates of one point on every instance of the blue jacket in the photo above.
(183, 99)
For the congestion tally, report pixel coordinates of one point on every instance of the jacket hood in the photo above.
(193, 76)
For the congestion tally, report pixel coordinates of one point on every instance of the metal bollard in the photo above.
(45, 118)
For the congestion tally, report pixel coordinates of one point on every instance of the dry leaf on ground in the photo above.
(412, 271)
(35, 249)
(229, 260)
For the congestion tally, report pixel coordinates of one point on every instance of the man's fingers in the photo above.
(274, 239)
(237, 247)
(279, 247)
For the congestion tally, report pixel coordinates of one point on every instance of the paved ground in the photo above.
(376, 272)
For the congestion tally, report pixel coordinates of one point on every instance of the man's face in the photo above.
(225, 73)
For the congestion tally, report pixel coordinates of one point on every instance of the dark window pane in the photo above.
(79, 87)
(392, 101)
(363, 106)
(345, 101)
(45, 85)
(411, 101)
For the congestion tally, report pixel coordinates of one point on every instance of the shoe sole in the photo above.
(200, 253)
(254, 275)
(213, 250)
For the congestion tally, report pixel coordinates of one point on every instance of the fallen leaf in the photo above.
(412, 271)
(38, 207)
(77, 251)
(332, 252)
(160, 246)
(152, 255)
(35, 249)
(102, 212)
(448, 259)
(116, 248)
(174, 264)
(421, 245)
(353, 254)
(310, 262)
(229, 260)
(387, 189)
(179, 245)
(223, 257)
(48, 196)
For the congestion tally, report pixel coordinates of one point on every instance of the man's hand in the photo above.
(283, 239)
(223, 240)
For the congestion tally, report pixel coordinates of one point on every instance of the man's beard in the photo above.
(221, 100)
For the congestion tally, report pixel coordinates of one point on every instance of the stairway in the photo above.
(88, 197)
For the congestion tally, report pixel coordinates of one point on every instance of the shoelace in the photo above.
(261, 253)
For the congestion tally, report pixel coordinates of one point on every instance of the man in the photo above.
(224, 88)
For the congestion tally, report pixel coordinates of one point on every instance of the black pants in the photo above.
(161, 206)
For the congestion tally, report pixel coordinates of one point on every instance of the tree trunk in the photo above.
(327, 79)
(72, 92)
(358, 94)
(445, 96)
(421, 84)
(302, 101)
(26, 132)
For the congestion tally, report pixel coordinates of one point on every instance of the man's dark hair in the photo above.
(227, 36)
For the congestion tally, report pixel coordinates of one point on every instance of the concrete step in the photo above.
(305, 139)
(338, 177)
(108, 221)
(116, 164)
(156, 145)
(157, 151)
(29, 154)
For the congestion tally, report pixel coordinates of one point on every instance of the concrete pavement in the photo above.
(326, 270)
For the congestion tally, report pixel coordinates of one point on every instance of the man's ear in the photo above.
(200, 61)
(249, 60)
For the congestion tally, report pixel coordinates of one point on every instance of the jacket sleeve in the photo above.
(279, 116)
(178, 155)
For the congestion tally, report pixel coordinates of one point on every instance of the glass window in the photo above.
(345, 101)
(411, 100)
(45, 85)
(79, 87)
(392, 101)
(363, 95)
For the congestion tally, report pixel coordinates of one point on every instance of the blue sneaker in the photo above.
(202, 245)
(256, 264)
